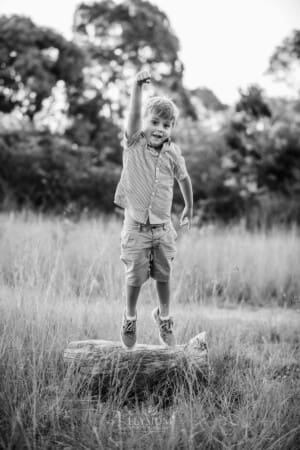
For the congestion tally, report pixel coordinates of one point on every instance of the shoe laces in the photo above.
(129, 326)
(166, 325)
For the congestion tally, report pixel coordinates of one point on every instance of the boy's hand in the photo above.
(143, 77)
(186, 217)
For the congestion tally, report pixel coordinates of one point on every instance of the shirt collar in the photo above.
(164, 148)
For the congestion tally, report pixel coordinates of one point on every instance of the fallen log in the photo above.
(106, 370)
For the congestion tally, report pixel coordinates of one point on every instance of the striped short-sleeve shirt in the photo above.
(146, 185)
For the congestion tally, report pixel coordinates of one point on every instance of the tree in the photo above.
(119, 39)
(264, 160)
(253, 103)
(207, 99)
(246, 136)
(280, 169)
(286, 53)
(47, 173)
(285, 60)
(33, 59)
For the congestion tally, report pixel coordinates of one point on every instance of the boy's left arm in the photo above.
(187, 193)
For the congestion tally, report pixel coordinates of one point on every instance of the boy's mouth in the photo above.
(155, 140)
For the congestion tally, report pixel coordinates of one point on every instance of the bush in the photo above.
(49, 173)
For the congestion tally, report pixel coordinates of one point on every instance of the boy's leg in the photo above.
(163, 290)
(161, 316)
(128, 329)
(135, 255)
(132, 294)
(163, 254)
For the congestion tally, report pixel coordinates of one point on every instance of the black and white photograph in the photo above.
(150, 225)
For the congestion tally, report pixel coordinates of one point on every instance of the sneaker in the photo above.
(166, 335)
(128, 332)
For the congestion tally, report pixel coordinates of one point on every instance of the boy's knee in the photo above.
(135, 282)
(163, 281)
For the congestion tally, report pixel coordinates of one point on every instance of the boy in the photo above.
(145, 191)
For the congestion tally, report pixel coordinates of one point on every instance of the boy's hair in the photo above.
(163, 107)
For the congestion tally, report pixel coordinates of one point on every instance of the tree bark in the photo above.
(107, 370)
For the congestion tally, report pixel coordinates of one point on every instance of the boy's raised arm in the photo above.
(135, 108)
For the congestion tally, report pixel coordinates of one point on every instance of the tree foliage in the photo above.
(241, 159)
(285, 62)
(33, 59)
(253, 103)
(120, 38)
(264, 158)
(47, 173)
(286, 53)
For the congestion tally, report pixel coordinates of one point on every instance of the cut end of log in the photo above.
(198, 342)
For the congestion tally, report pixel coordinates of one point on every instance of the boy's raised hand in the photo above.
(143, 77)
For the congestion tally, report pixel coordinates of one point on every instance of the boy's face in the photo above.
(157, 130)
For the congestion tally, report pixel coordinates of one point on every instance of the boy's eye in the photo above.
(154, 122)
(166, 125)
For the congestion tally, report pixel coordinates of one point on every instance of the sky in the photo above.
(225, 44)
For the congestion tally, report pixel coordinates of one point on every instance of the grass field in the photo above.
(61, 281)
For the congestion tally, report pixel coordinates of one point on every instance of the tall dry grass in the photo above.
(82, 260)
(61, 281)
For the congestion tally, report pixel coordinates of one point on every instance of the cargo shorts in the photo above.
(147, 251)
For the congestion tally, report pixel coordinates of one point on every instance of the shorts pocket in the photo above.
(171, 234)
(128, 239)
(168, 242)
(174, 233)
